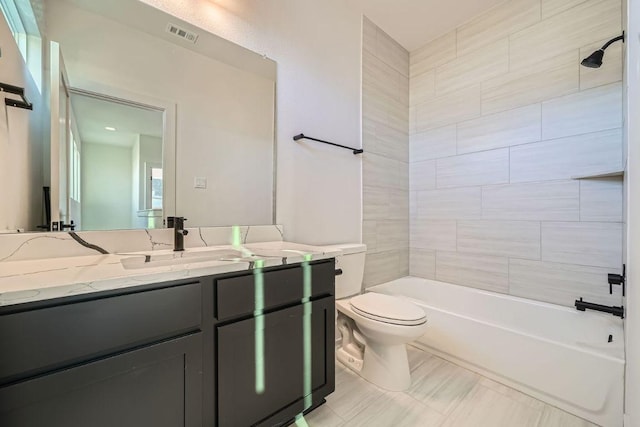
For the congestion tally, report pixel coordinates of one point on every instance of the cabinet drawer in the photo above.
(159, 386)
(39, 340)
(235, 296)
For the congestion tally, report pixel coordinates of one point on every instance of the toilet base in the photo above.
(387, 366)
(349, 360)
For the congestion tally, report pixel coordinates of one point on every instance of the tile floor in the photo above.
(442, 395)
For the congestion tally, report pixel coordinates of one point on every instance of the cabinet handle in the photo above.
(339, 272)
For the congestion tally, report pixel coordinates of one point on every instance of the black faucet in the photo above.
(178, 232)
(583, 305)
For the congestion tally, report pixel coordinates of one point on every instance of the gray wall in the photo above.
(385, 139)
(503, 119)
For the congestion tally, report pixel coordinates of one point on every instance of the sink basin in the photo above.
(181, 258)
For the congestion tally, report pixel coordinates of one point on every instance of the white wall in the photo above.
(503, 119)
(21, 149)
(107, 186)
(317, 45)
(632, 179)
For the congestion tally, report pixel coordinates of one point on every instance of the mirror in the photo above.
(212, 104)
(115, 164)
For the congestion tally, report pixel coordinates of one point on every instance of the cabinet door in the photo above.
(244, 396)
(157, 386)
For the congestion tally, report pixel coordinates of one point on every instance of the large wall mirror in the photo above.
(153, 117)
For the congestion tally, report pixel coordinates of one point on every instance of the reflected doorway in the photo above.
(115, 164)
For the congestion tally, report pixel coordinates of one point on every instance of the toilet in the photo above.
(375, 328)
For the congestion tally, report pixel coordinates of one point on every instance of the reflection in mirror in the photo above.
(218, 101)
(115, 164)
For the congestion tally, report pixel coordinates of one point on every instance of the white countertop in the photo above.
(35, 280)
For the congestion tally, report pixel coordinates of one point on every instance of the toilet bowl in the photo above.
(375, 328)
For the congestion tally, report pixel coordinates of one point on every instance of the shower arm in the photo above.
(613, 40)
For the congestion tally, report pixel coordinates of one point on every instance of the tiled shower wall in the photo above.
(503, 121)
(385, 123)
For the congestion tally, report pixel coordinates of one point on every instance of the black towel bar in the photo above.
(16, 91)
(303, 136)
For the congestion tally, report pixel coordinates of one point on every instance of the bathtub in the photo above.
(553, 353)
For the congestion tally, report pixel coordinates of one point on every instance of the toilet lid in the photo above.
(388, 309)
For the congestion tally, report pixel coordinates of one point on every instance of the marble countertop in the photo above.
(35, 280)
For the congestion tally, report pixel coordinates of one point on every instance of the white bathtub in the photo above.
(556, 354)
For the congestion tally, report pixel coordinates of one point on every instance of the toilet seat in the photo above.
(388, 309)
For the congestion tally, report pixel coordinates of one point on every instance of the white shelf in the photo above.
(606, 174)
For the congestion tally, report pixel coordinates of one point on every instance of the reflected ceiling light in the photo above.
(595, 59)
(112, 129)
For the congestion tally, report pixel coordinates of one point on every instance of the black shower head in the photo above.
(595, 59)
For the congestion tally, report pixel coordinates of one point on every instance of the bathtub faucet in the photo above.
(616, 311)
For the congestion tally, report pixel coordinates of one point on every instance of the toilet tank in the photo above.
(351, 262)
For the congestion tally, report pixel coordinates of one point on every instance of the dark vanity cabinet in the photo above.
(173, 354)
(272, 368)
(119, 360)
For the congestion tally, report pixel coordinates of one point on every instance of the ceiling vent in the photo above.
(182, 33)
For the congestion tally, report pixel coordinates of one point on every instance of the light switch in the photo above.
(200, 182)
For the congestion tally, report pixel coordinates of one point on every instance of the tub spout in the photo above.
(616, 311)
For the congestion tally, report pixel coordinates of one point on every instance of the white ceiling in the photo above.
(94, 114)
(414, 23)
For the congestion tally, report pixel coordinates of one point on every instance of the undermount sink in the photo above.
(137, 261)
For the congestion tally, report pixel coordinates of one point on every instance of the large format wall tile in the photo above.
(583, 112)
(453, 203)
(383, 172)
(392, 235)
(512, 127)
(383, 267)
(538, 201)
(601, 200)
(438, 52)
(422, 87)
(585, 23)
(381, 78)
(560, 283)
(556, 77)
(447, 109)
(478, 271)
(563, 158)
(553, 7)
(597, 244)
(422, 175)
(486, 167)
(385, 167)
(384, 203)
(497, 23)
(379, 138)
(422, 263)
(433, 234)
(520, 239)
(507, 142)
(474, 67)
(611, 69)
(433, 144)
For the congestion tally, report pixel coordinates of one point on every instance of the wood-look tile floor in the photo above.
(442, 395)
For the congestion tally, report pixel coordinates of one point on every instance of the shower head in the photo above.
(595, 59)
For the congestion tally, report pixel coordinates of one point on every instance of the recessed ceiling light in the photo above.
(112, 129)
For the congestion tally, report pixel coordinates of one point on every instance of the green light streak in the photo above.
(258, 282)
(236, 236)
(300, 421)
(306, 330)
